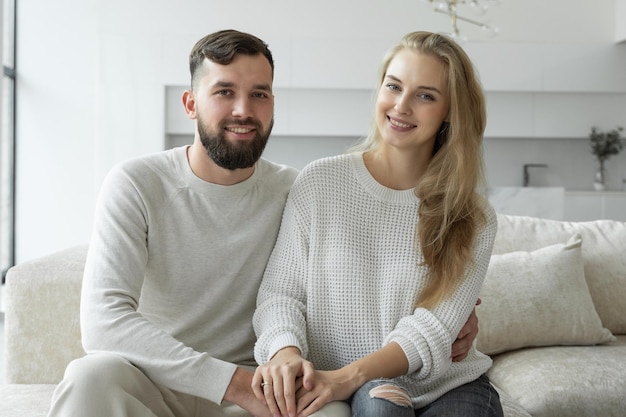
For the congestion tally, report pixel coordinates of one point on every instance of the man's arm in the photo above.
(240, 392)
(113, 284)
(463, 342)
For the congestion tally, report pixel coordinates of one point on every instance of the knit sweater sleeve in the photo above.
(428, 350)
(113, 280)
(280, 318)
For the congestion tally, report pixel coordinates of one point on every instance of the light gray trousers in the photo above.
(107, 385)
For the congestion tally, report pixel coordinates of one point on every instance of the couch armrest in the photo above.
(42, 328)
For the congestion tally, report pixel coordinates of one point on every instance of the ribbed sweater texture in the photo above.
(344, 275)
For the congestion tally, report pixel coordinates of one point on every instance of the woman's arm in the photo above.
(387, 362)
(280, 318)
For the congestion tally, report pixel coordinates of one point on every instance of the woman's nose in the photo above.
(402, 105)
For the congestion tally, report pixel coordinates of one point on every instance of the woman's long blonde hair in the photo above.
(451, 209)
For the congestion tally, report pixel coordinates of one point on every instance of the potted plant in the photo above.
(603, 145)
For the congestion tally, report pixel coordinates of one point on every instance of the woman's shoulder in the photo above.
(323, 175)
(490, 219)
(328, 167)
(328, 163)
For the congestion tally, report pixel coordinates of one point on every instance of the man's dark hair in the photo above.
(223, 46)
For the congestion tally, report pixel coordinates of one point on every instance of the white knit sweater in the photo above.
(343, 277)
(174, 267)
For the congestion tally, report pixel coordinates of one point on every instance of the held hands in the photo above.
(329, 386)
(277, 382)
(289, 385)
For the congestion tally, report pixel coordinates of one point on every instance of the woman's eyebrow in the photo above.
(421, 87)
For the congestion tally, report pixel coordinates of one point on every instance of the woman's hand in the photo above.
(277, 382)
(328, 386)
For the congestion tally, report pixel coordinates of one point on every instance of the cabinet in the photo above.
(593, 205)
(559, 204)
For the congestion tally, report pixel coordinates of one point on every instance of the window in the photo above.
(7, 138)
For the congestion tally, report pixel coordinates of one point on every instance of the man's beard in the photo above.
(234, 155)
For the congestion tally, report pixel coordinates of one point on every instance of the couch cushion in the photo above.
(24, 400)
(603, 252)
(538, 298)
(565, 381)
(42, 330)
(18, 400)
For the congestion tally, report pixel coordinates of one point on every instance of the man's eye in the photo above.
(259, 95)
(224, 92)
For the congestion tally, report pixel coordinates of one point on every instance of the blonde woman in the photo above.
(382, 253)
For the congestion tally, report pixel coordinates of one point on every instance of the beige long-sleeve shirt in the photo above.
(174, 266)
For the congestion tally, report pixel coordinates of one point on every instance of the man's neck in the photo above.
(206, 169)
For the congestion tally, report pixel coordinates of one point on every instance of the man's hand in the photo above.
(463, 342)
(278, 380)
(239, 392)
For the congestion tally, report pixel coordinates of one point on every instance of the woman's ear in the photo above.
(189, 102)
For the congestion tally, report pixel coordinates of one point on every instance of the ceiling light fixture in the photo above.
(478, 7)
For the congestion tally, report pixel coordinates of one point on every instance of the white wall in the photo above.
(1, 46)
(92, 78)
(620, 20)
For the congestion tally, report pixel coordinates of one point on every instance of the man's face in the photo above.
(235, 110)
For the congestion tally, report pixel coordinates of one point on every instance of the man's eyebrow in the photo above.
(224, 84)
(229, 84)
(264, 87)
(421, 87)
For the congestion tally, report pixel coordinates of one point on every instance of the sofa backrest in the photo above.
(42, 327)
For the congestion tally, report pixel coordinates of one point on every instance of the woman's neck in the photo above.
(395, 169)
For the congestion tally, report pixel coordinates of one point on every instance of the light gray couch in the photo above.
(553, 299)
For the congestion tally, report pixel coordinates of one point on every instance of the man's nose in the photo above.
(242, 107)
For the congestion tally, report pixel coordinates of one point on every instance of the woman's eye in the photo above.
(392, 86)
(426, 97)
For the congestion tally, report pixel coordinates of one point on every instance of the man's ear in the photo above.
(189, 102)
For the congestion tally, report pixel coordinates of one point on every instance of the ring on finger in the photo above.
(265, 383)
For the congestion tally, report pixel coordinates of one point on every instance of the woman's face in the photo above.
(412, 101)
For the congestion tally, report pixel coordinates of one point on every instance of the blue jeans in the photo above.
(474, 399)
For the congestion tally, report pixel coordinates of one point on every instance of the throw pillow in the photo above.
(603, 252)
(538, 298)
